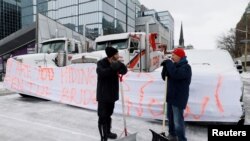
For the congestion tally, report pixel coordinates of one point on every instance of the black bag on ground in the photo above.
(158, 137)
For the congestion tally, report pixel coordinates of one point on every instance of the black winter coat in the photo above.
(179, 78)
(108, 81)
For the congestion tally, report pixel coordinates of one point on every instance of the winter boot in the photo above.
(103, 132)
(111, 135)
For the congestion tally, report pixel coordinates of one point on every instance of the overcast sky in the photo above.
(203, 20)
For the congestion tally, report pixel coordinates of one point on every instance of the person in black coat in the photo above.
(108, 70)
(179, 74)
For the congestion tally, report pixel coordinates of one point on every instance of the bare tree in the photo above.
(228, 42)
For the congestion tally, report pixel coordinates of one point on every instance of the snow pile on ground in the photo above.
(245, 75)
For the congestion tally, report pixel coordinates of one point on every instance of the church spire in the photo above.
(181, 40)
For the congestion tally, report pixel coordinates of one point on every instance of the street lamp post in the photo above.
(246, 44)
(126, 15)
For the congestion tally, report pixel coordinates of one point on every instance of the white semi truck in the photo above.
(53, 52)
(137, 50)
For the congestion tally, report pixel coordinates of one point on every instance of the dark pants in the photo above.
(176, 122)
(104, 111)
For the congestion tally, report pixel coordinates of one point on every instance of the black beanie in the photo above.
(110, 51)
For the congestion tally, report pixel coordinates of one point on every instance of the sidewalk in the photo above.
(246, 96)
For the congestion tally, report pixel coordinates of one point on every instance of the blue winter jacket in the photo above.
(179, 78)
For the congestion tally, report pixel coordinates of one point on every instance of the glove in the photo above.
(164, 71)
(115, 65)
(123, 69)
(163, 63)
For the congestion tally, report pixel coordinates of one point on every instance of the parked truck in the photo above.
(40, 43)
(137, 50)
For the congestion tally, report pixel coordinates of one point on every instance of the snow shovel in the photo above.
(162, 136)
(127, 137)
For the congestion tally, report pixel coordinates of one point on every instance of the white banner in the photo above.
(213, 97)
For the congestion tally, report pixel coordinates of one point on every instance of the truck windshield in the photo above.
(52, 47)
(118, 44)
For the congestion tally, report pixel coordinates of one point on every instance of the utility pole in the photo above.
(126, 15)
(78, 26)
(246, 43)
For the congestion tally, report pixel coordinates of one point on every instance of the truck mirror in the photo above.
(60, 59)
(49, 51)
(72, 47)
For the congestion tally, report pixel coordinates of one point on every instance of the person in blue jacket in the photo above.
(107, 93)
(179, 74)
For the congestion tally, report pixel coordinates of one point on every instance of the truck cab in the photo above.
(126, 45)
(134, 50)
(52, 53)
(70, 46)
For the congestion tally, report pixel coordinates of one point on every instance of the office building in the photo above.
(154, 27)
(10, 17)
(89, 17)
(165, 19)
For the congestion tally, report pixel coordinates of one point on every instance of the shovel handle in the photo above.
(165, 105)
(120, 77)
(123, 105)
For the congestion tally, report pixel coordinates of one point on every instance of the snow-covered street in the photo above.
(25, 119)
(246, 98)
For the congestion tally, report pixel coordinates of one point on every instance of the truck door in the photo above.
(135, 54)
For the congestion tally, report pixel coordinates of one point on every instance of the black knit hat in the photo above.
(110, 51)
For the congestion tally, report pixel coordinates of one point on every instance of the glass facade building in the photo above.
(165, 18)
(10, 17)
(167, 21)
(89, 17)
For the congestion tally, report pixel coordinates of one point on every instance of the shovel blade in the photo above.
(131, 137)
(158, 137)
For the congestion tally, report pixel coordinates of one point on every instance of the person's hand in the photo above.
(122, 71)
(163, 63)
(115, 65)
